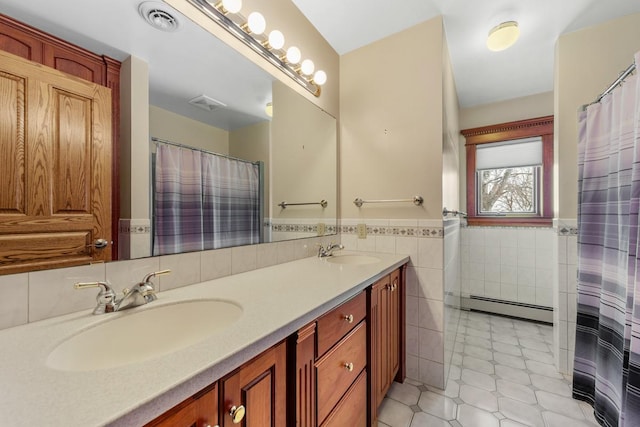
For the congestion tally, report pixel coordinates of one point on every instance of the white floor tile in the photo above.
(516, 391)
(404, 393)
(512, 374)
(553, 419)
(555, 403)
(479, 365)
(479, 398)
(478, 379)
(521, 412)
(438, 405)
(469, 416)
(395, 414)
(422, 419)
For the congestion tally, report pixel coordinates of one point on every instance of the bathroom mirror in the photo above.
(298, 144)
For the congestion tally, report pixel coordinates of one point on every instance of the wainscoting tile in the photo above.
(185, 270)
(51, 292)
(243, 258)
(215, 264)
(126, 274)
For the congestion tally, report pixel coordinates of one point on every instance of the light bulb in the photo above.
(293, 55)
(320, 77)
(307, 67)
(256, 23)
(276, 39)
(232, 6)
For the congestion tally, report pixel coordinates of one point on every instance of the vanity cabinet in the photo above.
(200, 410)
(386, 330)
(333, 372)
(259, 389)
(253, 395)
(330, 369)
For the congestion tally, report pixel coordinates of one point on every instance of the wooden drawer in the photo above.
(332, 376)
(337, 323)
(352, 409)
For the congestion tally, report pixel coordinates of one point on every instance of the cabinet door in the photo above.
(379, 342)
(258, 389)
(200, 410)
(55, 148)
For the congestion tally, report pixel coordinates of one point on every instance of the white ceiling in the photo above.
(191, 62)
(182, 65)
(481, 76)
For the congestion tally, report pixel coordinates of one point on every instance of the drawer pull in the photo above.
(237, 414)
(348, 318)
(349, 366)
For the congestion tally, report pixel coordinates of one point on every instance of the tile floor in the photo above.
(502, 375)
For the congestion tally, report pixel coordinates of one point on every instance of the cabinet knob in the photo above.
(349, 366)
(237, 413)
(348, 318)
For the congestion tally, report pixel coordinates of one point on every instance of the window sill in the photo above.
(510, 221)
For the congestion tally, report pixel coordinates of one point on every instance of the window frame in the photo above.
(541, 127)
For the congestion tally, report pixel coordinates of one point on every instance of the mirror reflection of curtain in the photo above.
(203, 201)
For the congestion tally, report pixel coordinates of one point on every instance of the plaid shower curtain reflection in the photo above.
(204, 201)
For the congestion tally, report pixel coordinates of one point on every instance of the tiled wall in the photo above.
(29, 297)
(423, 241)
(565, 296)
(452, 288)
(508, 263)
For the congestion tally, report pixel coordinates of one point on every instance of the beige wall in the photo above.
(451, 127)
(303, 156)
(587, 61)
(526, 107)
(253, 143)
(173, 127)
(391, 124)
(134, 138)
(286, 17)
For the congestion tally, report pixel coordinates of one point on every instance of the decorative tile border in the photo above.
(567, 231)
(301, 228)
(128, 226)
(426, 232)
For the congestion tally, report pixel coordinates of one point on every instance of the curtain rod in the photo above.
(177, 144)
(630, 69)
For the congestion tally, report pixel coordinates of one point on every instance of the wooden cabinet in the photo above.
(259, 388)
(386, 332)
(200, 410)
(333, 372)
(254, 395)
(330, 367)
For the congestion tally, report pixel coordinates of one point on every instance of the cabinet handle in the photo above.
(237, 413)
(348, 318)
(349, 366)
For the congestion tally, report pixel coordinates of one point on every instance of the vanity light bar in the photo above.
(243, 33)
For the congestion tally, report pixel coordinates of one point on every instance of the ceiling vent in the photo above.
(206, 103)
(155, 15)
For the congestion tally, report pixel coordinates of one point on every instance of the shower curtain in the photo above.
(607, 350)
(204, 201)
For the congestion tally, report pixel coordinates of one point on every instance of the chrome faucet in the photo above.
(328, 251)
(142, 293)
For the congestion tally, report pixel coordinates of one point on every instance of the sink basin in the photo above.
(352, 259)
(136, 336)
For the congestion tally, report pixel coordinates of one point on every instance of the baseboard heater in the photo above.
(514, 309)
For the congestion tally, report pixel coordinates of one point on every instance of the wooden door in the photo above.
(55, 151)
(260, 388)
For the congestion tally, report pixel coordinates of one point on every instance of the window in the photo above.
(509, 173)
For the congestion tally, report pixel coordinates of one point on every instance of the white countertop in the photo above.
(276, 301)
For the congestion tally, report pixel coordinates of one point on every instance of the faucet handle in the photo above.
(157, 273)
(106, 297)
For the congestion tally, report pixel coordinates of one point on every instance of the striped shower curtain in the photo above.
(203, 201)
(607, 349)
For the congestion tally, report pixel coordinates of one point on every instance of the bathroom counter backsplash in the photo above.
(275, 302)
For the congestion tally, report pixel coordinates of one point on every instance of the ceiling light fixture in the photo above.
(250, 32)
(503, 36)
